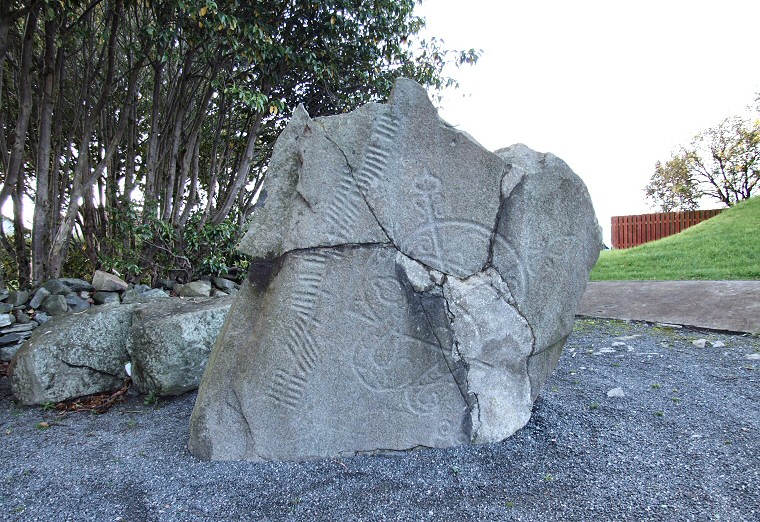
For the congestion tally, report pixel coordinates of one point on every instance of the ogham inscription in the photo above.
(289, 381)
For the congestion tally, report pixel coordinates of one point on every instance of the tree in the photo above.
(726, 160)
(137, 127)
(672, 186)
(722, 163)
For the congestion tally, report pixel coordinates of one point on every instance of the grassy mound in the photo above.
(724, 247)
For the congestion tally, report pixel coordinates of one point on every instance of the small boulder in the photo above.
(133, 296)
(616, 393)
(73, 356)
(55, 305)
(17, 298)
(56, 287)
(12, 338)
(76, 303)
(224, 284)
(8, 351)
(5, 307)
(150, 295)
(105, 297)
(170, 343)
(105, 282)
(20, 327)
(6, 319)
(39, 297)
(130, 296)
(77, 285)
(199, 288)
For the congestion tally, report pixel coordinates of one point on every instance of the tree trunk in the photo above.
(213, 167)
(42, 204)
(179, 117)
(190, 156)
(151, 161)
(90, 226)
(82, 183)
(15, 162)
(19, 237)
(241, 175)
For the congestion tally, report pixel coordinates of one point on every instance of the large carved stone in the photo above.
(408, 289)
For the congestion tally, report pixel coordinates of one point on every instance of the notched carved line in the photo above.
(287, 402)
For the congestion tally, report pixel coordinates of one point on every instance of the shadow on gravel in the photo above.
(681, 443)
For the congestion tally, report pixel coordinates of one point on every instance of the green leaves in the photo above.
(722, 163)
(672, 186)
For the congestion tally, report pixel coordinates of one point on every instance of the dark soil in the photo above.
(682, 444)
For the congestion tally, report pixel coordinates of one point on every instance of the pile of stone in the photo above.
(163, 344)
(22, 311)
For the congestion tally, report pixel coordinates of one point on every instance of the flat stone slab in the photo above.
(718, 305)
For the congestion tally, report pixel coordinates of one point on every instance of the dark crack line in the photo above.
(306, 201)
(85, 367)
(248, 427)
(516, 305)
(475, 402)
(499, 214)
(375, 451)
(364, 197)
(446, 358)
(317, 249)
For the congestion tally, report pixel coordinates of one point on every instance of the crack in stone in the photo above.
(474, 403)
(306, 201)
(85, 367)
(364, 197)
(463, 387)
(248, 426)
(381, 451)
(512, 301)
(316, 249)
(499, 213)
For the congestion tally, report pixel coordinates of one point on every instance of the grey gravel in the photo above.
(681, 445)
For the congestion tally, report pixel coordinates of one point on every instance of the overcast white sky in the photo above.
(608, 86)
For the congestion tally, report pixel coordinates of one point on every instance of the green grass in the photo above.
(724, 247)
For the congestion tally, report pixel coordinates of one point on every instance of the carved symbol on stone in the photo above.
(427, 244)
(425, 398)
(345, 208)
(511, 267)
(289, 382)
(375, 161)
(399, 361)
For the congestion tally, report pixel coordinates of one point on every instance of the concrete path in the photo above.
(720, 305)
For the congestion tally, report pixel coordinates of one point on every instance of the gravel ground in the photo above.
(682, 444)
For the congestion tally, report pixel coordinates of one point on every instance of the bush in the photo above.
(143, 249)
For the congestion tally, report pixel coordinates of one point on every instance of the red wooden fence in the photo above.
(630, 231)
